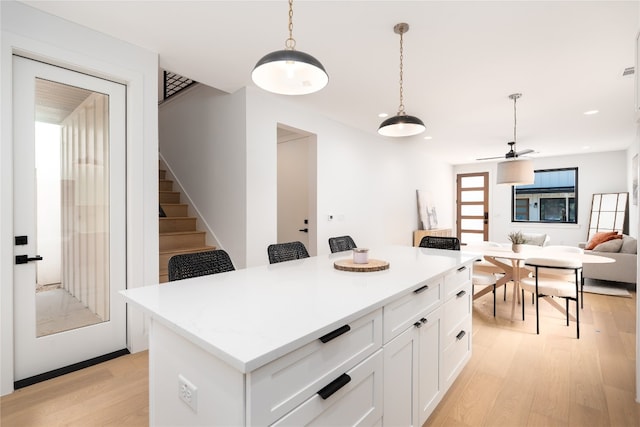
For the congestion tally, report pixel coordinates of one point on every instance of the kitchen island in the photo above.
(301, 342)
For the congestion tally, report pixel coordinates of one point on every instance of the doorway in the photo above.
(296, 187)
(69, 218)
(472, 207)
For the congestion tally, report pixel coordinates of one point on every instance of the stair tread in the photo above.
(194, 249)
(173, 204)
(178, 233)
(176, 217)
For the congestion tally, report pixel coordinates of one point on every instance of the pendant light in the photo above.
(290, 71)
(401, 124)
(515, 171)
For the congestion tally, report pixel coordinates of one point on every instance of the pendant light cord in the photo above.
(290, 43)
(401, 106)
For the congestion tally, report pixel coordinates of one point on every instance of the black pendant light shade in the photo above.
(401, 125)
(289, 72)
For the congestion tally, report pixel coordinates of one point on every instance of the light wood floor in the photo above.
(514, 378)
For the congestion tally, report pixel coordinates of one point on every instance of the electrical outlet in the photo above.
(188, 393)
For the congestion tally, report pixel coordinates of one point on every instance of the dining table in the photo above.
(512, 265)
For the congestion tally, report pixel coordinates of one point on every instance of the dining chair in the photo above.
(440, 242)
(184, 266)
(573, 250)
(478, 280)
(342, 243)
(553, 277)
(280, 252)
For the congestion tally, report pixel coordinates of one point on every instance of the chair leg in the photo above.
(582, 291)
(504, 296)
(494, 300)
(577, 319)
(537, 314)
(566, 307)
(522, 290)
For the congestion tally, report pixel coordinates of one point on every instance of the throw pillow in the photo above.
(609, 246)
(602, 237)
(629, 245)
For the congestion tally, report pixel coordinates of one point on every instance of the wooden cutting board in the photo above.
(372, 265)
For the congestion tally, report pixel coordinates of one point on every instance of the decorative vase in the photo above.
(516, 247)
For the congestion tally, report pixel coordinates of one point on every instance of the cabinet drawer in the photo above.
(457, 353)
(277, 388)
(400, 314)
(455, 279)
(358, 402)
(456, 311)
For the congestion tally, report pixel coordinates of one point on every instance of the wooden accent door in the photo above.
(472, 207)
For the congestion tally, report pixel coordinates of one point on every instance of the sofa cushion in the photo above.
(609, 246)
(535, 239)
(601, 237)
(629, 245)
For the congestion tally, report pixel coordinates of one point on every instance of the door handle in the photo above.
(304, 230)
(23, 259)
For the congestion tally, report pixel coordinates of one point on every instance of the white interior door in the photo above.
(69, 210)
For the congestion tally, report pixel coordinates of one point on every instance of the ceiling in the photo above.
(462, 59)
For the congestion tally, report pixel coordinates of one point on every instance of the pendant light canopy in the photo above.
(401, 124)
(289, 71)
(515, 171)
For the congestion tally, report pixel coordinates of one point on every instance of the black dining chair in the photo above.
(439, 242)
(341, 243)
(184, 266)
(280, 252)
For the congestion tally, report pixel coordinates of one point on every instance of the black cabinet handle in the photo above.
(424, 320)
(461, 294)
(421, 289)
(304, 230)
(335, 334)
(460, 335)
(463, 268)
(418, 325)
(335, 385)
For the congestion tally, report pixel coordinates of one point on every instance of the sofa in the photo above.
(624, 250)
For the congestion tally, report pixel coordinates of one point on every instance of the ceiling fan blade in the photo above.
(491, 158)
(523, 152)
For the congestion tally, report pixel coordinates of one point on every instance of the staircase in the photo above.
(178, 232)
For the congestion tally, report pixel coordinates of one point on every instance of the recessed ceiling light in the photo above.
(381, 115)
(428, 137)
(591, 112)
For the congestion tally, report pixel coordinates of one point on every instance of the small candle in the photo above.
(360, 255)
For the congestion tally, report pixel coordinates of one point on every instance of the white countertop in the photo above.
(252, 316)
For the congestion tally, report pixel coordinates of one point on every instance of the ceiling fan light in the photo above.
(401, 125)
(289, 72)
(515, 172)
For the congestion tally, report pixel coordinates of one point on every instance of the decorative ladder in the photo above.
(178, 232)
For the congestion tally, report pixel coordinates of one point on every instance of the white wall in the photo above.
(597, 173)
(41, 36)
(366, 182)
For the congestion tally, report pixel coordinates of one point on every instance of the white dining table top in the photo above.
(529, 251)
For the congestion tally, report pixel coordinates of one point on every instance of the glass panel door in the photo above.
(472, 207)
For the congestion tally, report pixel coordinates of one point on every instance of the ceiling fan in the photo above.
(512, 153)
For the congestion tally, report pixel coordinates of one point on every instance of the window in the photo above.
(551, 198)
